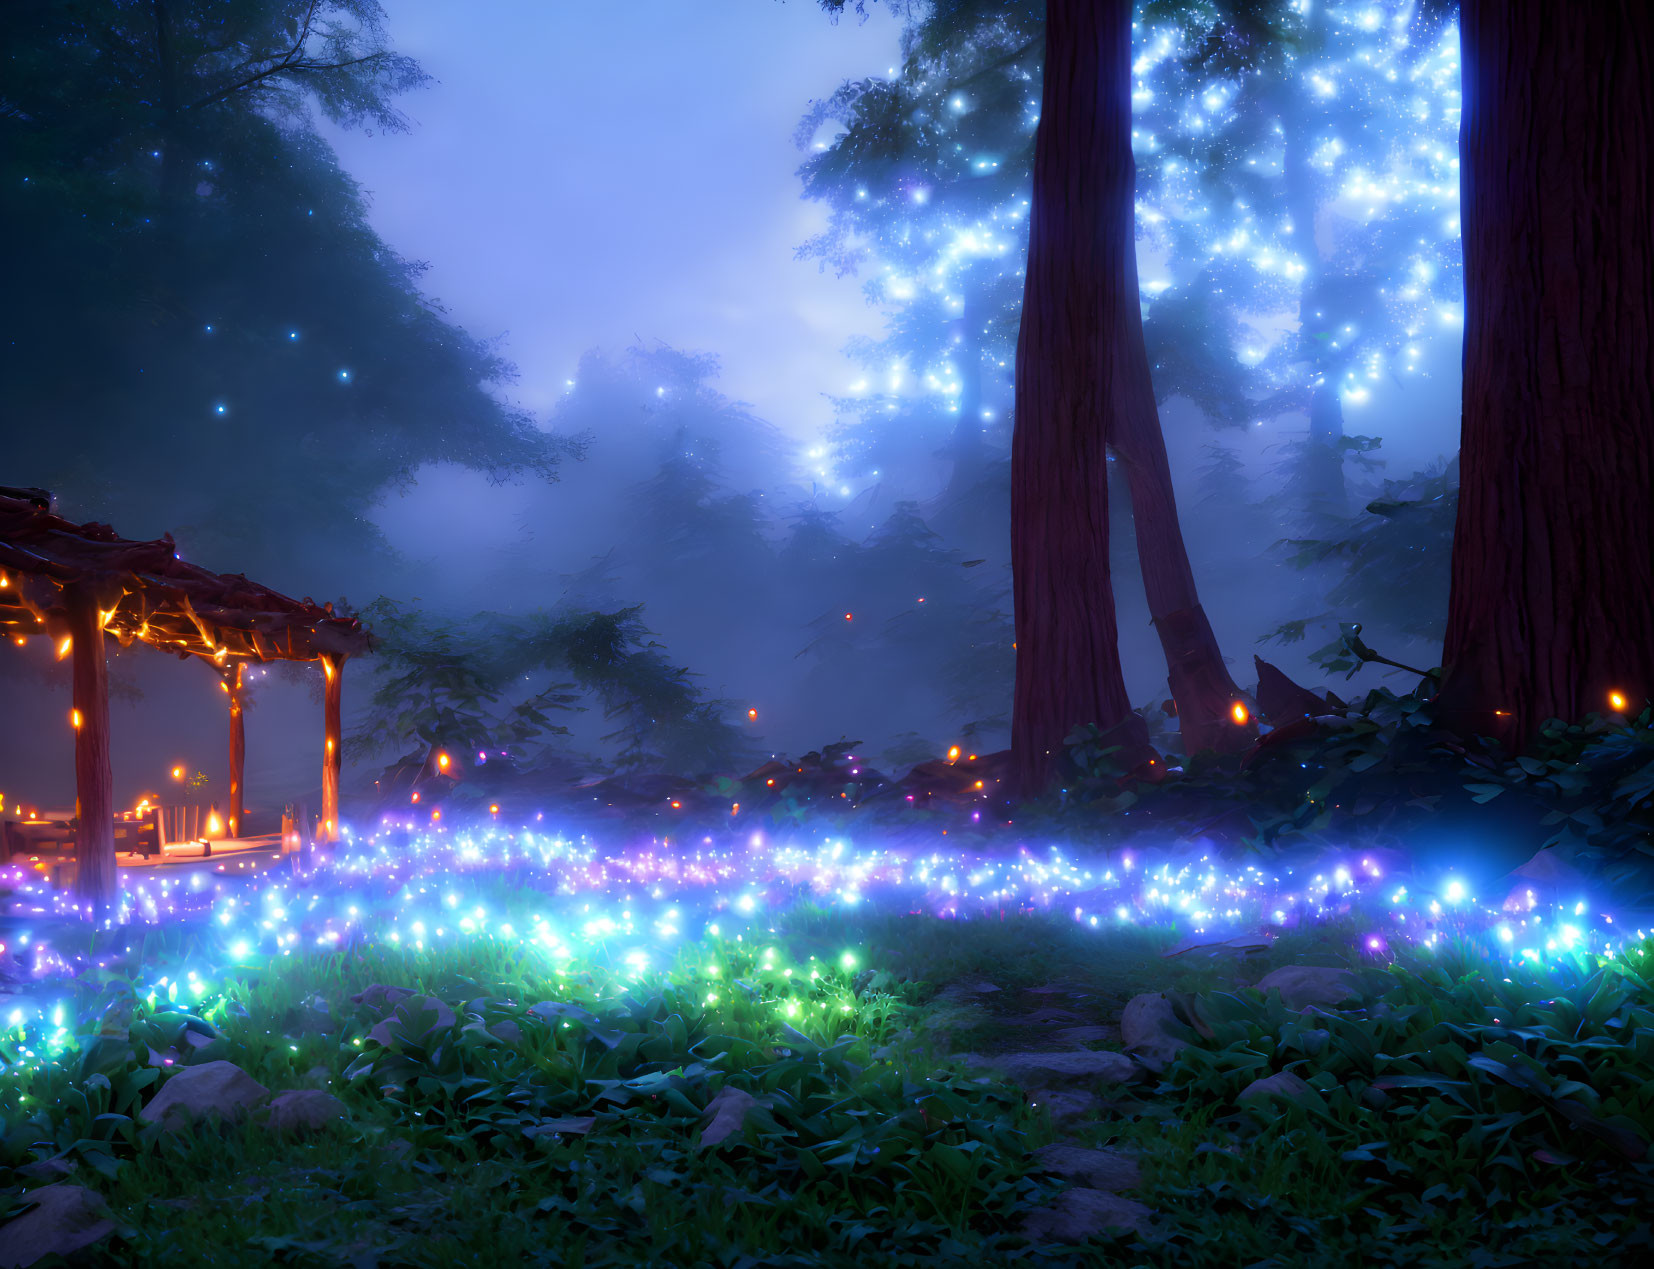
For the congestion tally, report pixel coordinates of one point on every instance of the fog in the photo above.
(607, 201)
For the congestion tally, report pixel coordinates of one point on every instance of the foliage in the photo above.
(1467, 1112)
(195, 298)
(454, 684)
(1395, 557)
(1238, 107)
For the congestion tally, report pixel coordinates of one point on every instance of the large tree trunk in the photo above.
(1068, 657)
(96, 885)
(1199, 680)
(1552, 603)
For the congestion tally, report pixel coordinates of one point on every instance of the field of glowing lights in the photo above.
(575, 902)
(487, 1004)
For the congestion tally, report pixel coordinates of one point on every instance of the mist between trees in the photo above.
(205, 336)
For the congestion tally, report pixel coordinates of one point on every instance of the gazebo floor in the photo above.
(231, 856)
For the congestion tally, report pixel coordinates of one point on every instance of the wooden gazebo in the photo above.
(82, 582)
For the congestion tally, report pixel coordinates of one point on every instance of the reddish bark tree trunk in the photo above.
(238, 748)
(96, 885)
(333, 670)
(1196, 674)
(1552, 603)
(1068, 657)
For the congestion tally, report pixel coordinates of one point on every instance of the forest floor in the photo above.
(838, 1085)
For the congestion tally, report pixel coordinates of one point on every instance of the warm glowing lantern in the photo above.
(1238, 712)
(494, 809)
(215, 825)
(1617, 701)
(178, 773)
(442, 761)
(953, 753)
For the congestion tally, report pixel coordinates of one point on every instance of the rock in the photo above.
(1281, 1084)
(1079, 1213)
(48, 1169)
(965, 988)
(728, 1111)
(1086, 1035)
(1304, 985)
(67, 1219)
(412, 1018)
(1105, 1169)
(380, 997)
(1064, 1103)
(1073, 1064)
(194, 1093)
(1152, 1032)
(1239, 945)
(302, 1111)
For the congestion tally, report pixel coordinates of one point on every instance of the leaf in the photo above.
(1484, 792)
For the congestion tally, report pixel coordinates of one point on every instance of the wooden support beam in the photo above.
(95, 878)
(238, 747)
(333, 670)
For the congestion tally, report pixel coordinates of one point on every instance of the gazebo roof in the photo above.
(145, 593)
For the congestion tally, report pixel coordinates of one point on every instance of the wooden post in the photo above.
(95, 877)
(238, 747)
(333, 667)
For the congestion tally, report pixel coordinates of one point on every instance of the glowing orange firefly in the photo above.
(1238, 712)
(1617, 701)
(752, 716)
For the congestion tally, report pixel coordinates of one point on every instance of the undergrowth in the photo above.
(1468, 1113)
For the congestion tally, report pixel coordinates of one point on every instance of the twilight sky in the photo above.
(588, 174)
(593, 175)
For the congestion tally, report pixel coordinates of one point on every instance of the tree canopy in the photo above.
(204, 333)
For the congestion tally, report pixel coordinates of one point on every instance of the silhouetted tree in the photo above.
(201, 331)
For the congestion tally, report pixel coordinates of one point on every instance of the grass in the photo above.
(1472, 1114)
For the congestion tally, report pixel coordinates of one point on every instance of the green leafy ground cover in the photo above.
(1470, 1113)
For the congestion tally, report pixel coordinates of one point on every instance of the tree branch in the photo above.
(279, 68)
(1015, 55)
